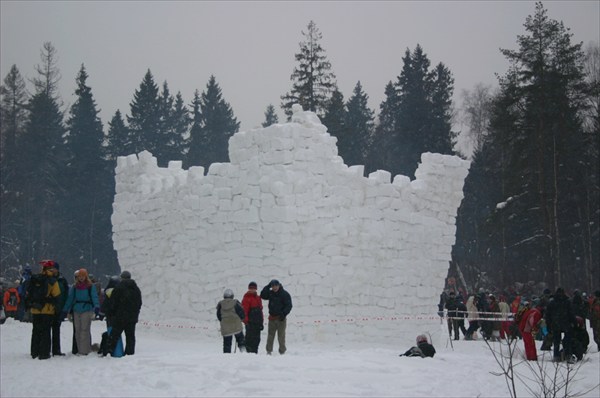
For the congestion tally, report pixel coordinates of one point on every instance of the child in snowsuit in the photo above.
(253, 310)
(423, 348)
(230, 313)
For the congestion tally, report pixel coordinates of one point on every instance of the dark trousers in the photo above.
(56, 322)
(119, 327)
(253, 337)
(40, 335)
(566, 342)
(473, 326)
(239, 339)
(74, 350)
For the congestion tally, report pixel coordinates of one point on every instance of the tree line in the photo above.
(531, 199)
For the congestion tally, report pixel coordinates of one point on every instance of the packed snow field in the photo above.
(186, 360)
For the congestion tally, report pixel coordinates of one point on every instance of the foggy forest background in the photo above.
(529, 218)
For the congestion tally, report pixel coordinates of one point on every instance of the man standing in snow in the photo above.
(125, 310)
(280, 305)
(560, 319)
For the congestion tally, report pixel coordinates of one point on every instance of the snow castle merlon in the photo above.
(287, 207)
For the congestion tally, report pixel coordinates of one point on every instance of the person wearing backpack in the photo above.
(230, 315)
(58, 318)
(83, 300)
(253, 317)
(42, 293)
(11, 302)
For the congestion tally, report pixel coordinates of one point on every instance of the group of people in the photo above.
(233, 316)
(556, 319)
(50, 299)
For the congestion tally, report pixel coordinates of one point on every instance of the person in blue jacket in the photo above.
(83, 300)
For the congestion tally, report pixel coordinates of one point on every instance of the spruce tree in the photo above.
(89, 179)
(383, 151)
(177, 130)
(217, 123)
(359, 124)
(145, 120)
(13, 116)
(198, 142)
(312, 80)
(119, 138)
(42, 168)
(534, 222)
(270, 116)
(335, 119)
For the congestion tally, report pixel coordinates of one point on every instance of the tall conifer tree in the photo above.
(145, 120)
(359, 124)
(313, 80)
(13, 116)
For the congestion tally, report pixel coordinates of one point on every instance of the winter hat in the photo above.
(421, 338)
(560, 291)
(252, 285)
(274, 282)
(47, 264)
(125, 275)
(228, 293)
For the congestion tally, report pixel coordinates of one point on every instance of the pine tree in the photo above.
(313, 81)
(145, 120)
(217, 124)
(335, 119)
(13, 116)
(42, 168)
(382, 151)
(198, 146)
(89, 179)
(439, 137)
(177, 130)
(270, 116)
(119, 138)
(359, 124)
(534, 222)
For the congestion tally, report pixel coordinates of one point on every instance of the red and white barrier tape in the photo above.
(345, 320)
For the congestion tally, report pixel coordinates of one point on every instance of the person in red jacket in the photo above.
(11, 302)
(529, 328)
(253, 319)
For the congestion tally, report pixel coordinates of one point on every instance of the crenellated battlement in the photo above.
(287, 207)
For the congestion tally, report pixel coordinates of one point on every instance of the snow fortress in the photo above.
(361, 257)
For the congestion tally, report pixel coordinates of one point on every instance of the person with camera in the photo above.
(280, 305)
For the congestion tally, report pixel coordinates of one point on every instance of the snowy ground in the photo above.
(187, 362)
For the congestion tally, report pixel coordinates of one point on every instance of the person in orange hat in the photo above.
(43, 308)
(83, 300)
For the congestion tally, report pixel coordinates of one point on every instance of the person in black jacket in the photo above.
(126, 302)
(561, 319)
(452, 307)
(422, 349)
(280, 305)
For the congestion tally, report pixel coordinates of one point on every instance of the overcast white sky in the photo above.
(249, 45)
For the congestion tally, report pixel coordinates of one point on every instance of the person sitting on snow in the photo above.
(422, 349)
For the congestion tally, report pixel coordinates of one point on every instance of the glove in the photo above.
(63, 314)
(97, 311)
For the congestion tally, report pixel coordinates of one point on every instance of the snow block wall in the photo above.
(349, 249)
